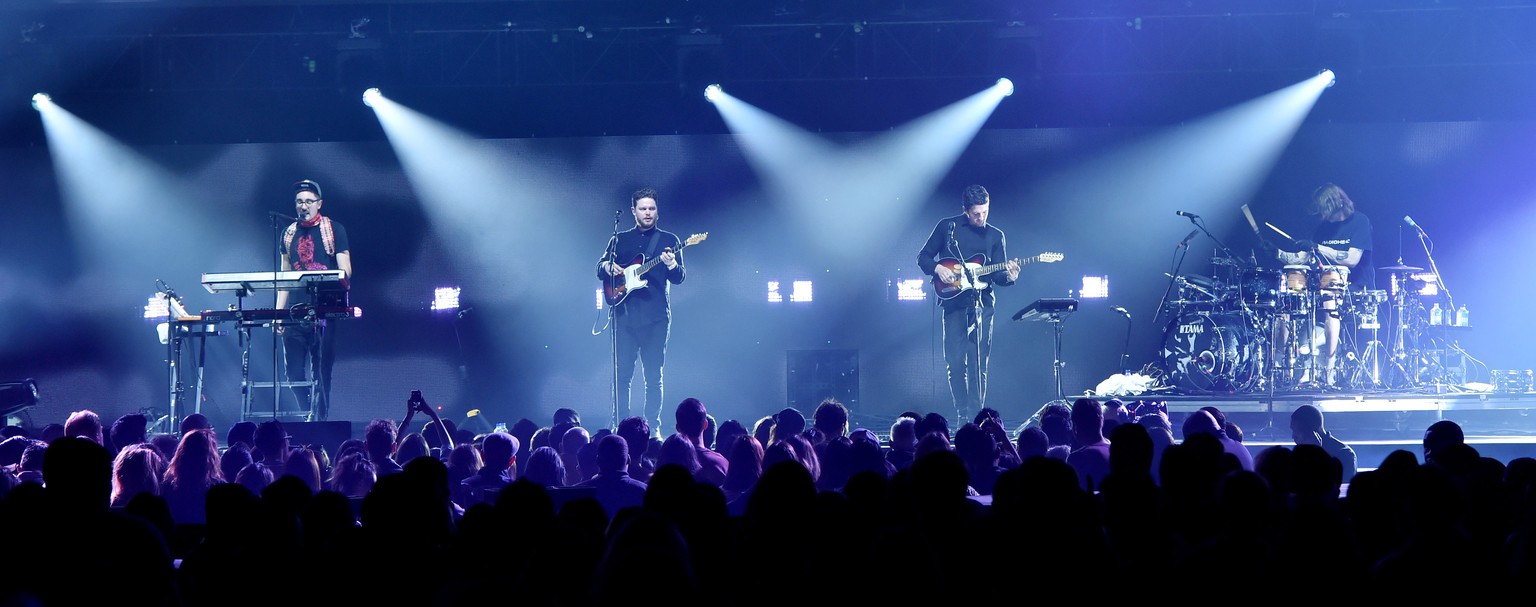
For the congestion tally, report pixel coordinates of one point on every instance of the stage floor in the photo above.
(1498, 424)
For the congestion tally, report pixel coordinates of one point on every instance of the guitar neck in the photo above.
(988, 269)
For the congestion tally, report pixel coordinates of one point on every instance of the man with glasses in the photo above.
(314, 242)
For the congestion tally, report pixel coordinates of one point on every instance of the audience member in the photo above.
(615, 489)
(255, 477)
(498, 470)
(85, 423)
(303, 464)
(1307, 429)
(691, 420)
(129, 429)
(545, 468)
(242, 432)
(272, 441)
(193, 469)
(1090, 457)
(353, 475)
(1202, 422)
(636, 432)
(135, 470)
(410, 447)
(1056, 421)
(787, 422)
(197, 421)
(569, 446)
(979, 453)
(379, 438)
(903, 443)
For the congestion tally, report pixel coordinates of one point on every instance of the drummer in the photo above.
(1341, 240)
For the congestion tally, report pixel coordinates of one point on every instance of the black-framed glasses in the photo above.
(306, 201)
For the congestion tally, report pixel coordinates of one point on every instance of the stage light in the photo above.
(17, 396)
(158, 308)
(445, 298)
(1094, 287)
(911, 289)
(713, 92)
(1006, 86)
(39, 100)
(800, 292)
(371, 95)
(1332, 80)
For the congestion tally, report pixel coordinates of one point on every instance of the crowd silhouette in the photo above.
(1095, 498)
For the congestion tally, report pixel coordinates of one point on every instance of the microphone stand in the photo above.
(612, 255)
(975, 324)
(1442, 372)
(277, 267)
(1125, 354)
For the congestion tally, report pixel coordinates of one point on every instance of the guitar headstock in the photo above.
(696, 239)
(1049, 257)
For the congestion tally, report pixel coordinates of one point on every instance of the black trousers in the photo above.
(967, 346)
(311, 353)
(648, 342)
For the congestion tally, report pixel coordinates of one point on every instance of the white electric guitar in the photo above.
(616, 288)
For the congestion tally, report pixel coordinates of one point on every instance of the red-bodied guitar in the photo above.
(616, 288)
(975, 269)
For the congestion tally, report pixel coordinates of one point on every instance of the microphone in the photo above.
(1186, 214)
(282, 216)
(951, 228)
(617, 213)
(1188, 238)
(1122, 312)
(1409, 220)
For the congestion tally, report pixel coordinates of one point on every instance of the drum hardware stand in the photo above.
(1370, 362)
(1400, 327)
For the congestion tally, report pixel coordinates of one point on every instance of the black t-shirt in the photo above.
(307, 252)
(650, 304)
(1352, 233)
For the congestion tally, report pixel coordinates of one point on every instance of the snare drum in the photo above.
(1333, 278)
(1295, 279)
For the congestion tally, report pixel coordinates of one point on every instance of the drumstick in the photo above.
(1282, 232)
(1251, 223)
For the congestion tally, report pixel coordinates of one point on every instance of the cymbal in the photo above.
(1400, 268)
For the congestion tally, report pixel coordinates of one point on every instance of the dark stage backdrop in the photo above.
(527, 345)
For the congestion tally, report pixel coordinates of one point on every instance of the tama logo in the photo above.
(1193, 329)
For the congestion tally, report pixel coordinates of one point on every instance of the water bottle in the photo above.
(1436, 315)
(1463, 317)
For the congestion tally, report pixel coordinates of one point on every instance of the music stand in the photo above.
(1054, 310)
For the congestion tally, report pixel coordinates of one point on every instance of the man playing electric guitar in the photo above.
(968, 314)
(642, 318)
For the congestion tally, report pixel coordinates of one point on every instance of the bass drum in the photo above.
(1213, 353)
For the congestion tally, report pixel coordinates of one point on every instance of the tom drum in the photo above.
(1295, 279)
(1333, 278)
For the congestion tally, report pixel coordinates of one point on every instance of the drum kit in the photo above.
(1254, 329)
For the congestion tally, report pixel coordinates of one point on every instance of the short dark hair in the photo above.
(974, 195)
(634, 199)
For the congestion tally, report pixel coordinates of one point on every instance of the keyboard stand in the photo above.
(248, 387)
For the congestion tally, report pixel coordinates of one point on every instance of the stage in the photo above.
(1498, 424)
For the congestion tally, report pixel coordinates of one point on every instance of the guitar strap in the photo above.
(650, 251)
